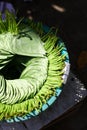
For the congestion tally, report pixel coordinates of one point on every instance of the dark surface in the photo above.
(72, 25)
(62, 109)
(76, 119)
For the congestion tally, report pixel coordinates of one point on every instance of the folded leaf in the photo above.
(27, 44)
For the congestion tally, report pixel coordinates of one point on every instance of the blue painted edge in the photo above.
(52, 99)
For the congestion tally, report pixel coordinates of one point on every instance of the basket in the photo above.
(52, 99)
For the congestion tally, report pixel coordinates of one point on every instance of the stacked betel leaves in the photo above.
(32, 66)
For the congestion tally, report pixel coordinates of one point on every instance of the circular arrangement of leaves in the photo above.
(32, 66)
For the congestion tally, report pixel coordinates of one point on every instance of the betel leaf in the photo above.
(29, 83)
(29, 44)
(42, 70)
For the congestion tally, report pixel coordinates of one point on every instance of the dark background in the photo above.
(70, 17)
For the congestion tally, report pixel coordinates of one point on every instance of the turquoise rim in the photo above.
(58, 90)
(49, 102)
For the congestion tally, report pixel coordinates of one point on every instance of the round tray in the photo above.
(58, 90)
